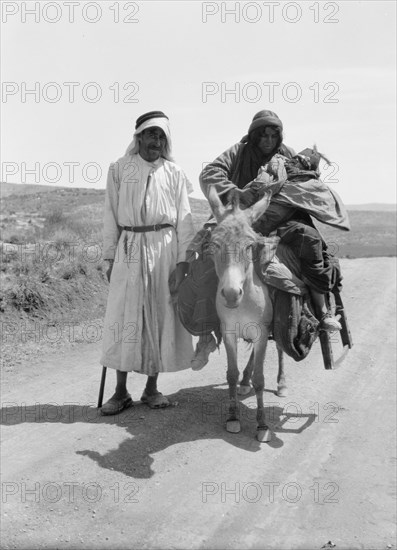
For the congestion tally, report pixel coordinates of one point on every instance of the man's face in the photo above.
(267, 139)
(152, 143)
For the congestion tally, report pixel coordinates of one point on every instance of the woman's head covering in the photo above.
(149, 120)
(265, 118)
(261, 120)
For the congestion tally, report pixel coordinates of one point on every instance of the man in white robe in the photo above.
(147, 229)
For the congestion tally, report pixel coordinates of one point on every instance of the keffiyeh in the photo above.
(158, 121)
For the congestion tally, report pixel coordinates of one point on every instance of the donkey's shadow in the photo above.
(196, 413)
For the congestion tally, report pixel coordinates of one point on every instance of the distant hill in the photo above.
(373, 207)
(373, 225)
(7, 189)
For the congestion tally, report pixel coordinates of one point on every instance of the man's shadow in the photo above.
(196, 413)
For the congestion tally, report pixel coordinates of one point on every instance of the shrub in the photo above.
(55, 217)
(65, 236)
(15, 239)
(72, 270)
(25, 295)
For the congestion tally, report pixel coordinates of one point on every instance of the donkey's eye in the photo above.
(247, 252)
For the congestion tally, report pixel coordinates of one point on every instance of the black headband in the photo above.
(147, 116)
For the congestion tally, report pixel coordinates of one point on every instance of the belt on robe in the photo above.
(144, 228)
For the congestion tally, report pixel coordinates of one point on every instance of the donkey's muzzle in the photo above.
(232, 296)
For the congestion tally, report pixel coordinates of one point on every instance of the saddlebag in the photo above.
(295, 328)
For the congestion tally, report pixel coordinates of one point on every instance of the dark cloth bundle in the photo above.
(295, 328)
(196, 298)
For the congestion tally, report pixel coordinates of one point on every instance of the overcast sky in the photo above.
(326, 68)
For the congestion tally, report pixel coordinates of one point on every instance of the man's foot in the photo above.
(329, 323)
(116, 404)
(203, 349)
(155, 401)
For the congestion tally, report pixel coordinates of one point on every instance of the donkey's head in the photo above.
(232, 245)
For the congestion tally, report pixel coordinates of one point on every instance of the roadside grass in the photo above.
(52, 278)
(46, 303)
(49, 278)
(53, 284)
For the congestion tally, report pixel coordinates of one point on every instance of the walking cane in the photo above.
(102, 387)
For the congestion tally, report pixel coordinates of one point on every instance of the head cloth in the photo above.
(262, 119)
(149, 120)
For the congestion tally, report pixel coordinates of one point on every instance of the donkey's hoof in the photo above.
(264, 435)
(282, 391)
(233, 426)
(244, 390)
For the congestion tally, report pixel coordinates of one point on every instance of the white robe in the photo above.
(142, 331)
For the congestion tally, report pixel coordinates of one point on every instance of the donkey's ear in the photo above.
(215, 203)
(259, 208)
(234, 199)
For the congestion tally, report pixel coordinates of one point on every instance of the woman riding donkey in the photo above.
(262, 164)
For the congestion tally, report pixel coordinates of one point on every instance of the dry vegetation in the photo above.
(53, 285)
(51, 262)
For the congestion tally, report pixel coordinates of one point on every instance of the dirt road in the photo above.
(175, 478)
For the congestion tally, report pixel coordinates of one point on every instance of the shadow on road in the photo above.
(196, 413)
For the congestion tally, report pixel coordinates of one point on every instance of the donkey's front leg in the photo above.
(258, 381)
(233, 419)
(245, 384)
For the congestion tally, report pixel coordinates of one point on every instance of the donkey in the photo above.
(243, 303)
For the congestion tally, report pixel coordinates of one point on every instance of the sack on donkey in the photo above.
(295, 328)
(196, 298)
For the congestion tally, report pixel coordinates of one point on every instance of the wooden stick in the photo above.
(345, 333)
(102, 387)
(326, 349)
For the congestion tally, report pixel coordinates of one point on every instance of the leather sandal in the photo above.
(115, 405)
(155, 401)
